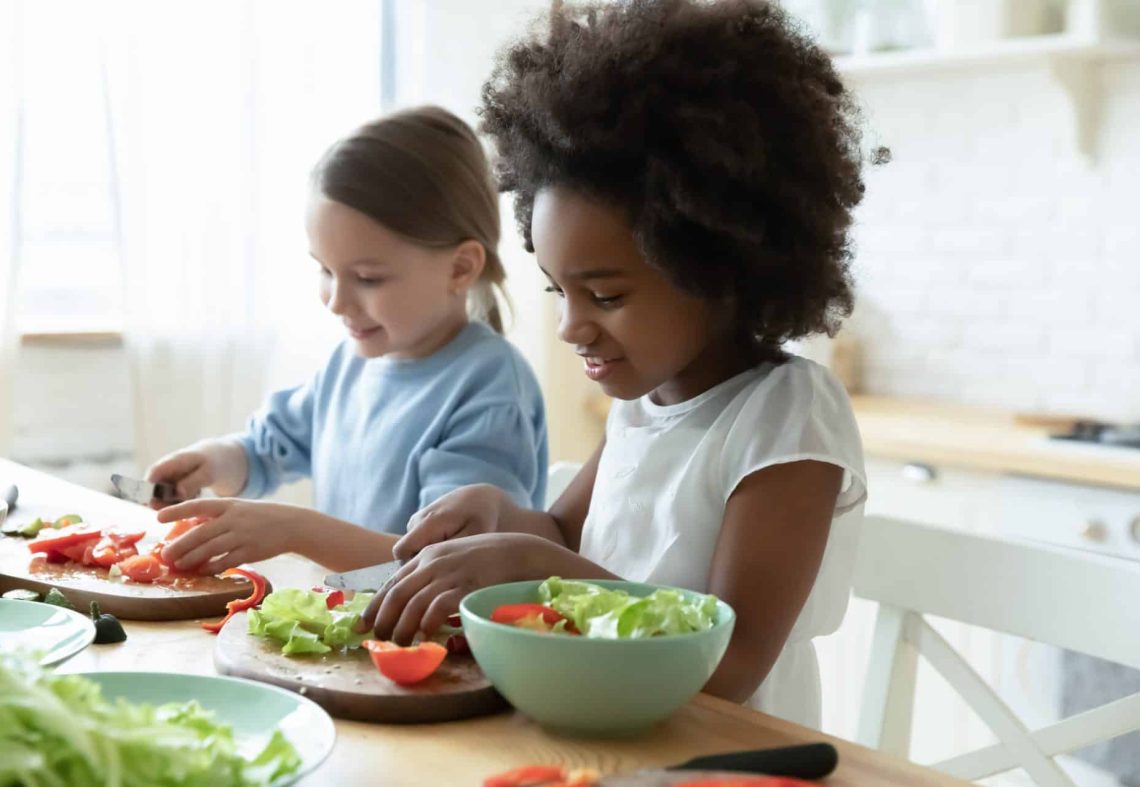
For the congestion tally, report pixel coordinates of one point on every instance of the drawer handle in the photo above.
(919, 473)
(1094, 530)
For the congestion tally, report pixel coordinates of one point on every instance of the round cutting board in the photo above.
(187, 599)
(348, 686)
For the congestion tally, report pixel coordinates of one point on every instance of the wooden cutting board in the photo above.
(348, 685)
(186, 599)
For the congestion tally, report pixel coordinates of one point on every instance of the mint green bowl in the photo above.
(591, 687)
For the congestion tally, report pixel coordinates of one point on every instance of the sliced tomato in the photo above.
(179, 528)
(116, 546)
(57, 540)
(142, 568)
(405, 665)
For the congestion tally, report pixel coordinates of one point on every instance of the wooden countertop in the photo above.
(459, 753)
(992, 440)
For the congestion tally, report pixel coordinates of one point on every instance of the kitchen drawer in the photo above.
(931, 494)
(1094, 518)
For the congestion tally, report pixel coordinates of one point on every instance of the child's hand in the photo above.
(239, 531)
(467, 511)
(219, 464)
(429, 587)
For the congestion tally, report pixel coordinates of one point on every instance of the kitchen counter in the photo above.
(985, 439)
(457, 753)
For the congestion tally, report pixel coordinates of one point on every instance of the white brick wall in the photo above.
(994, 264)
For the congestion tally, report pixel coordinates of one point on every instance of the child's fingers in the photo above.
(231, 559)
(442, 606)
(190, 486)
(197, 557)
(211, 509)
(373, 609)
(193, 538)
(174, 467)
(408, 623)
(394, 600)
(427, 527)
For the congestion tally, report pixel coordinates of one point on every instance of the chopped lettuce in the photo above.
(303, 623)
(614, 614)
(61, 730)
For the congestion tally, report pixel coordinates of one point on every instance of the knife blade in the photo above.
(805, 761)
(368, 578)
(143, 492)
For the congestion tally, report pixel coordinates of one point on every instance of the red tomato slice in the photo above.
(56, 540)
(405, 665)
(142, 568)
(533, 616)
(179, 528)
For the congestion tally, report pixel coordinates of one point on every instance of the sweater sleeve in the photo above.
(486, 444)
(278, 440)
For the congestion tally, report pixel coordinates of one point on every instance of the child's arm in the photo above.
(771, 542)
(483, 508)
(243, 531)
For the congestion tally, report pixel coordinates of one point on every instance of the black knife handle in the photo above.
(10, 496)
(166, 493)
(809, 761)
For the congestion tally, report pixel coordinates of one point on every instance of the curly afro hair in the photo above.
(725, 134)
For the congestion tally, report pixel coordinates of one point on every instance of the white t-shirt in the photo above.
(666, 474)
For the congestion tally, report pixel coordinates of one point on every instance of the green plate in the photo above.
(254, 710)
(55, 632)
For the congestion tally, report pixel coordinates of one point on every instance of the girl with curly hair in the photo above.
(685, 174)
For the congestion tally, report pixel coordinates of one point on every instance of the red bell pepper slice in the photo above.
(51, 540)
(116, 546)
(405, 665)
(260, 585)
(333, 598)
(527, 776)
(540, 614)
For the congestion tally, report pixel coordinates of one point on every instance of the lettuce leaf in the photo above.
(615, 614)
(61, 730)
(303, 623)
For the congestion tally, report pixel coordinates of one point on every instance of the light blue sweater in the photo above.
(382, 438)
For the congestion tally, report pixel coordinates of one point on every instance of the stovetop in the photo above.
(1099, 432)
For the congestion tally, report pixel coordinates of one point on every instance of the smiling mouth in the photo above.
(599, 368)
(358, 333)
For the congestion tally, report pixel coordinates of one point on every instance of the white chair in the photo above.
(1068, 598)
(558, 478)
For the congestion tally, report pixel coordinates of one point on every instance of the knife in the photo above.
(369, 578)
(8, 501)
(143, 492)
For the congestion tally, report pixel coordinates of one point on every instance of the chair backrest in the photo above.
(558, 478)
(1048, 594)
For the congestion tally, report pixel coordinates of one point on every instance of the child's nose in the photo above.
(336, 298)
(574, 327)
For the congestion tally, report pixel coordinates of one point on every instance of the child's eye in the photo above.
(555, 290)
(366, 281)
(604, 300)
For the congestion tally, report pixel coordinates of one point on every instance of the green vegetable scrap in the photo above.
(24, 529)
(108, 629)
(60, 730)
(303, 623)
(55, 596)
(614, 614)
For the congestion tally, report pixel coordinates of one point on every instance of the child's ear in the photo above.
(467, 265)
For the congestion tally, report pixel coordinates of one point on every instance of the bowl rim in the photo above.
(722, 605)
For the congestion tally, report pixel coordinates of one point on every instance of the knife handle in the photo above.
(809, 761)
(10, 496)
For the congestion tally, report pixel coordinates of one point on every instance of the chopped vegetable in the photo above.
(240, 604)
(24, 529)
(457, 644)
(179, 528)
(537, 617)
(614, 614)
(67, 519)
(142, 568)
(333, 598)
(58, 540)
(60, 730)
(454, 620)
(302, 621)
(108, 629)
(55, 596)
(406, 665)
(22, 594)
(543, 776)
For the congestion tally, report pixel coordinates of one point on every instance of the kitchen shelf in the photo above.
(1075, 64)
(1010, 52)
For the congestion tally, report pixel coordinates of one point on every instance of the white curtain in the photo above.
(10, 120)
(218, 110)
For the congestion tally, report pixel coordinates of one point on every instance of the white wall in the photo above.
(995, 265)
